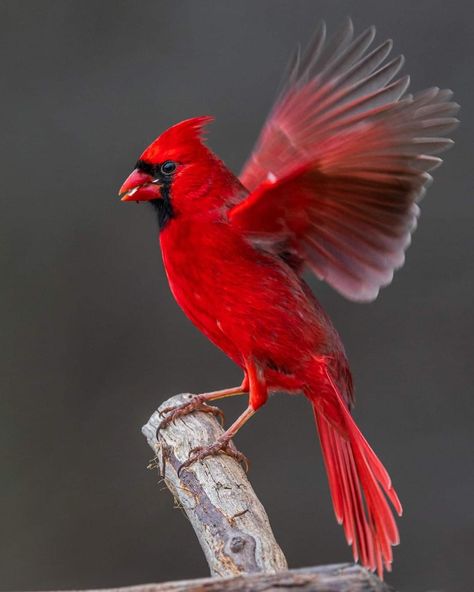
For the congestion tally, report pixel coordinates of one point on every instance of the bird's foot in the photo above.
(223, 445)
(197, 403)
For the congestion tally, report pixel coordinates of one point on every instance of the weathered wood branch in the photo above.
(327, 578)
(229, 520)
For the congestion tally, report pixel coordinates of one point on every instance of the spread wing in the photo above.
(341, 163)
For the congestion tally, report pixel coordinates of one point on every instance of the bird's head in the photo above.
(174, 170)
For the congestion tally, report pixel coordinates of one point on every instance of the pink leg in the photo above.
(222, 444)
(257, 396)
(198, 403)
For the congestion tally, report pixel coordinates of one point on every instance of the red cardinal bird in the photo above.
(333, 185)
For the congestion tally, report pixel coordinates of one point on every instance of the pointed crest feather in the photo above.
(189, 129)
(183, 135)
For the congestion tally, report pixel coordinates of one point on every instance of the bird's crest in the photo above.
(186, 135)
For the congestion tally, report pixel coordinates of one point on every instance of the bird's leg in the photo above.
(223, 444)
(258, 394)
(198, 403)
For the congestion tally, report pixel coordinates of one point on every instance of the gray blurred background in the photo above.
(92, 340)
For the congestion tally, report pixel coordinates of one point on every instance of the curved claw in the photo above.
(224, 446)
(196, 404)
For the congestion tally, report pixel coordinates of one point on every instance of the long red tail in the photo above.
(360, 486)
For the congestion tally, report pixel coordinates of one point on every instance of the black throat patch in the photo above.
(162, 206)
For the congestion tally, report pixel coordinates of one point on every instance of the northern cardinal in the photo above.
(332, 185)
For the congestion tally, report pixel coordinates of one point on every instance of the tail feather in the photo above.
(360, 486)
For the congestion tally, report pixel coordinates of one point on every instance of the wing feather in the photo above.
(342, 161)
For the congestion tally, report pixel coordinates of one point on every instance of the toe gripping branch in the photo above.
(197, 403)
(223, 444)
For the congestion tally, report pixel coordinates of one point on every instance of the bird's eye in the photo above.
(168, 167)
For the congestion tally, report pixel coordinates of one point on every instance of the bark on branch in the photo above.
(229, 520)
(327, 578)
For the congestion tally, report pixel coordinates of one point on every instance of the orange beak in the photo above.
(140, 186)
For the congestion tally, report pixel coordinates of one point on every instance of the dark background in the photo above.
(92, 341)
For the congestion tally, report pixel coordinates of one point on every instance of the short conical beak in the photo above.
(139, 186)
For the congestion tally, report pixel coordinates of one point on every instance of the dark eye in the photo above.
(168, 167)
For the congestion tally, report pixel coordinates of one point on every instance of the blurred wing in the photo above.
(342, 161)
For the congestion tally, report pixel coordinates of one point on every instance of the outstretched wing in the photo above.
(341, 162)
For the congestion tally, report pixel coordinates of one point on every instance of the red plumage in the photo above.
(332, 184)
